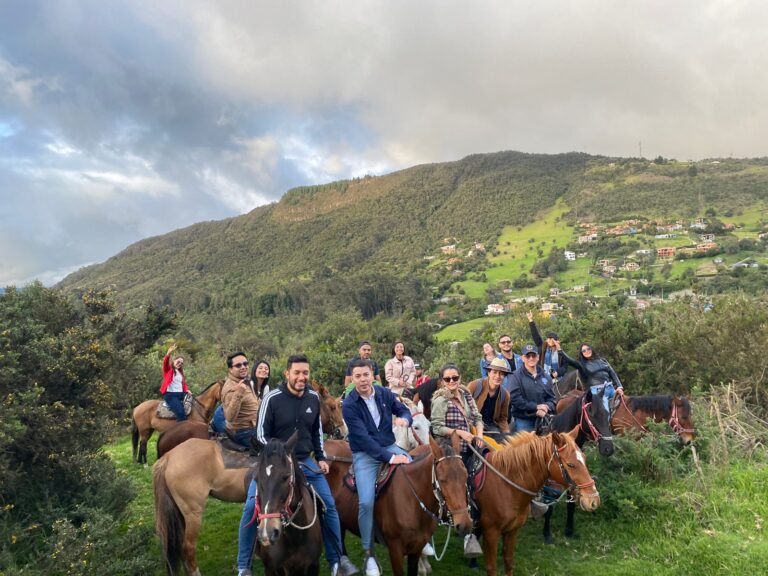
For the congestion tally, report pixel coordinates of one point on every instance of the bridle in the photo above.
(287, 514)
(442, 507)
(590, 428)
(674, 422)
(573, 488)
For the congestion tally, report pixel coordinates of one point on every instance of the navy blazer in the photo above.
(364, 436)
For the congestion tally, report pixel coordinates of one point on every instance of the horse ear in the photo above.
(557, 438)
(420, 406)
(574, 432)
(291, 444)
(256, 446)
(588, 395)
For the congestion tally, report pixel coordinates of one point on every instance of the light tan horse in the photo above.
(522, 466)
(183, 479)
(144, 420)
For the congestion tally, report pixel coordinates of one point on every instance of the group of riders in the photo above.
(514, 392)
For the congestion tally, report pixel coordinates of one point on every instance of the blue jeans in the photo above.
(524, 425)
(329, 521)
(219, 423)
(366, 469)
(247, 533)
(609, 392)
(175, 401)
(243, 437)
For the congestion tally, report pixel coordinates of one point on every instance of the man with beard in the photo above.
(295, 407)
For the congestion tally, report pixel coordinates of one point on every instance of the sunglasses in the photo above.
(586, 349)
(239, 364)
(505, 341)
(451, 378)
(531, 355)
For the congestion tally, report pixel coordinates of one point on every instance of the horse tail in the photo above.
(169, 522)
(134, 437)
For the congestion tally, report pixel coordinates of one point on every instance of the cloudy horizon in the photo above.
(124, 120)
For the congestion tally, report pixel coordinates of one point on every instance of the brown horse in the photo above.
(633, 412)
(522, 467)
(183, 479)
(330, 418)
(400, 521)
(289, 535)
(144, 420)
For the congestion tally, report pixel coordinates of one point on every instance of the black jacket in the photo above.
(527, 392)
(594, 372)
(282, 413)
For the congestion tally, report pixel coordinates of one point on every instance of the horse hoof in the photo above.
(549, 540)
(571, 535)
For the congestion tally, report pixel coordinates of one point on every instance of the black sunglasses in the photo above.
(586, 349)
(505, 341)
(239, 364)
(451, 378)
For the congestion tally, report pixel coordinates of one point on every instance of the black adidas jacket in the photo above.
(281, 414)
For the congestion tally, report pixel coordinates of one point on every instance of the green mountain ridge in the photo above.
(361, 243)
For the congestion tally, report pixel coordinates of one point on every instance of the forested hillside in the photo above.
(366, 244)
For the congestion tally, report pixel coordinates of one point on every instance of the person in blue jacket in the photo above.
(368, 412)
(530, 395)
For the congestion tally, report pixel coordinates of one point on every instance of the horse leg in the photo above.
(510, 541)
(194, 522)
(413, 564)
(490, 548)
(145, 436)
(569, 529)
(397, 557)
(548, 539)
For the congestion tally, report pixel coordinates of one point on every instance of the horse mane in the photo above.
(445, 445)
(408, 403)
(656, 404)
(569, 417)
(211, 385)
(521, 452)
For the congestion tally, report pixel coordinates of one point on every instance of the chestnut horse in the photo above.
(144, 419)
(183, 479)
(289, 534)
(330, 418)
(408, 508)
(633, 412)
(515, 475)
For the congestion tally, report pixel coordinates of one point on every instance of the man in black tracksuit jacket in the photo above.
(295, 407)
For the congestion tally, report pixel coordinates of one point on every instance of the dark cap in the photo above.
(364, 343)
(416, 365)
(529, 349)
(552, 335)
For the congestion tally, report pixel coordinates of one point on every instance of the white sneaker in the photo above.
(428, 550)
(335, 569)
(371, 567)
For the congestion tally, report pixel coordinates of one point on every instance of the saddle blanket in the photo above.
(163, 411)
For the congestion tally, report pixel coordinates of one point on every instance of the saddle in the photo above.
(163, 411)
(382, 478)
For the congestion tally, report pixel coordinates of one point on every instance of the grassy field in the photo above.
(709, 524)
(462, 330)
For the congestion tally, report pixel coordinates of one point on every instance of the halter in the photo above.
(286, 515)
(596, 435)
(442, 507)
(674, 422)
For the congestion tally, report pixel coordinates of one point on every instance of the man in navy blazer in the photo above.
(368, 412)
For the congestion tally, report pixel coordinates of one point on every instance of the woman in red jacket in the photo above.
(174, 384)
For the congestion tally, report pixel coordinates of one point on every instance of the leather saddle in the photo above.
(382, 478)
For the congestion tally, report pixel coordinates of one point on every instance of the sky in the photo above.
(124, 119)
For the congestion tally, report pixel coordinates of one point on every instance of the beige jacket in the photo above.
(241, 406)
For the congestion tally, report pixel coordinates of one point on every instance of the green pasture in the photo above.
(711, 524)
(749, 218)
(461, 330)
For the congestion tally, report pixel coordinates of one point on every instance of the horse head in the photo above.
(596, 422)
(568, 466)
(418, 433)
(330, 413)
(277, 486)
(681, 420)
(450, 481)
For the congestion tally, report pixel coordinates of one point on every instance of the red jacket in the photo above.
(168, 375)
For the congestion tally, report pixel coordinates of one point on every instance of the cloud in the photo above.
(125, 119)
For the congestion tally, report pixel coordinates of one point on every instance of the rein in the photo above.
(286, 515)
(596, 436)
(438, 493)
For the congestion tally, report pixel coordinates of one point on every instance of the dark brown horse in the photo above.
(289, 535)
(183, 479)
(330, 418)
(400, 521)
(522, 467)
(144, 420)
(633, 413)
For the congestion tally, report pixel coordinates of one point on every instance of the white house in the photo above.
(569, 255)
(494, 309)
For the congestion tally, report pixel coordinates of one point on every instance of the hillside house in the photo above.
(479, 246)
(579, 288)
(631, 267)
(570, 256)
(448, 249)
(549, 307)
(633, 291)
(603, 262)
(554, 291)
(718, 260)
(707, 237)
(762, 235)
(643, 252)
(729, 226)
(582, 254)
(494, 309)
(587, 238)
(610, 269)
(704, 246)
(666, 252)
(665, 236)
